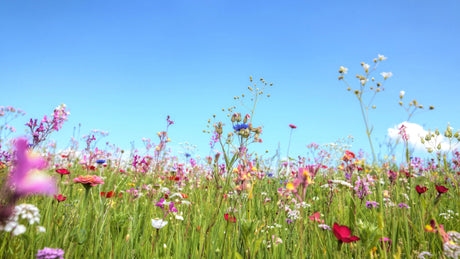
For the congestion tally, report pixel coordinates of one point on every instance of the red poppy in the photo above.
(184, 195)
(166, 196)
(421, 189)
(441, 189)
(227, 218)
(62, 171)
(92, 168)
(292, 126)
(60, 197)
(343, 234)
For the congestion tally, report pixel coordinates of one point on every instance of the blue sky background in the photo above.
(123, 66)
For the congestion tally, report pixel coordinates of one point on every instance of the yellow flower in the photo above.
(386, 194)
(290, 186)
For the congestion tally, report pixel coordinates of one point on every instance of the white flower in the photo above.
(364, 81)
(159, 223)
(343, 70)
(386, 75)
(41, 229)
(366, 67)
(164, 245)
(401, 94)
(19, 230)
(186, 202)
(423, 254)
(382, 57)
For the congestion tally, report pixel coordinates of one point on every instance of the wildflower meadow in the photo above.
(99, 201)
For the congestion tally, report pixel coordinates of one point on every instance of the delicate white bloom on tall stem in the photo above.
(343, 70)
(401, 94)
(159, 223)
(366, 67)
(382, 57)
(386, 75)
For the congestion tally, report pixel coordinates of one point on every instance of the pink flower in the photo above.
(89, 180)
(292, 126)
(26, 177)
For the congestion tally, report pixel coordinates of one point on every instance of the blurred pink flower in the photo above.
(292, 126)
(25, 178)
(87, 180)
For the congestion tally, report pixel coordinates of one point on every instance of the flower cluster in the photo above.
(47, 125)
(22, 212)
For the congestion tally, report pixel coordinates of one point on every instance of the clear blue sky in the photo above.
(123, 66)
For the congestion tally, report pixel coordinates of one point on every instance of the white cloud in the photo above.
(415, 132)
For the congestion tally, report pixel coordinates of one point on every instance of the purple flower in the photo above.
(50, 253)
(289, 221)
(403, 205)
(172, 208)
(324, 226)
(372, 204)
(25, 178)
(160, 203)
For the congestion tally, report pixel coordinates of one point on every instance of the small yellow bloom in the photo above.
(429, 228)
(290, 186)
(386, 194)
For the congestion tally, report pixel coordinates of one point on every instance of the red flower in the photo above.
(441, 189)
(62, 171)
(60, 198)
(421, 189)
(293, 126)
(227, 218)
(108, 194)
(343, 234)
(184, 195)
(315, 217)
(348, 156)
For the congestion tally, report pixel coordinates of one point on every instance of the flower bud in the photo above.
(439, 146)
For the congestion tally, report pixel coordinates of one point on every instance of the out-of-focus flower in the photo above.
(228, 218)
(421, 189)
(372, 204)
(292, 126)
(241, 126)
(343, 234)
(441, 189)
(100, 161)
(401, 94)
(343, 70)
(386, 75)
(50, 253)
(26, 179)
(60, 197)
(324, 226)
(381, 57)
(316, 217)
(159, 223)
(403, 205)
(62, 171)
(423, 254)
(89, 180)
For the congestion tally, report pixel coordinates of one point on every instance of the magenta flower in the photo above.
(26, 179)
(50, 253)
